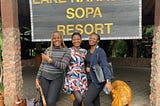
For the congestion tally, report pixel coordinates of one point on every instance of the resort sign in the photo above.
(112, 19)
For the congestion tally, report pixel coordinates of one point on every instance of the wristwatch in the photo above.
(108, 80)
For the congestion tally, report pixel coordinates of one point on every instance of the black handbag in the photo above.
(99, 73)
(110, 68)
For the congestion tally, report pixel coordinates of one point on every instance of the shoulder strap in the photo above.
(97, 55)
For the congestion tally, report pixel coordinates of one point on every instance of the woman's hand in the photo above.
(46, 58)
(88, 69)
(37, 82)
(108, 85)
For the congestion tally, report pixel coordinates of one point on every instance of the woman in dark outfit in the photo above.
(91, 97)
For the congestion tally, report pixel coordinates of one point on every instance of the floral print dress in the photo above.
(76, 78)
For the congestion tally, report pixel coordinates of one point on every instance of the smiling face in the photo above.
(76, 41)
(93, 40)
(57, 40)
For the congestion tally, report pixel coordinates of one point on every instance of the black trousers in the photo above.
(51, 89)
(78, 98)
(77, 103)
(91, 96)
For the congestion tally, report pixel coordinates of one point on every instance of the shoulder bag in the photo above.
(98, 71)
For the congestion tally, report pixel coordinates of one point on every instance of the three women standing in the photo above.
(57, 58)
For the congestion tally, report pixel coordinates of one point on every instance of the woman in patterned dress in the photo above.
(76, 78)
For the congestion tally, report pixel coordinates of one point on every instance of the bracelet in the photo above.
(108, 80)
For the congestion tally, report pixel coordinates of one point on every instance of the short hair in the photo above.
(97, 35)
(76, 33)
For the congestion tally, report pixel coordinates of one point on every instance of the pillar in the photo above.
(12, 71)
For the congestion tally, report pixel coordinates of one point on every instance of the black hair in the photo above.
(97, 35)
(76, 33)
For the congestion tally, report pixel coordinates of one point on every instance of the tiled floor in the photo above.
(137, 78)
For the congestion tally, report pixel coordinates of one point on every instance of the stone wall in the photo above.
(29, 62)
(128, 62)
(131, 62)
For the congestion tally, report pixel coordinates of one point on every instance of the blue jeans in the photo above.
(51, 89)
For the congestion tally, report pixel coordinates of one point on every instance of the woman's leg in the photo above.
(97, 101)
(78, 98)
(91, 94)
(44, 84)
(54, 91)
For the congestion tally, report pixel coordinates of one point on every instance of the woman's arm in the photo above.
(59, 64)
(43, 59)
(64, 62)
(103, 63)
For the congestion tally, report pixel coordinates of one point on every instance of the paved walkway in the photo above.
(137, 78)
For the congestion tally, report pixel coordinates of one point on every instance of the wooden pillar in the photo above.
(134, 48)
(155, 61)
(11, 52)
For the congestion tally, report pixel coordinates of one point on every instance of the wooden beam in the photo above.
(148, 20)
